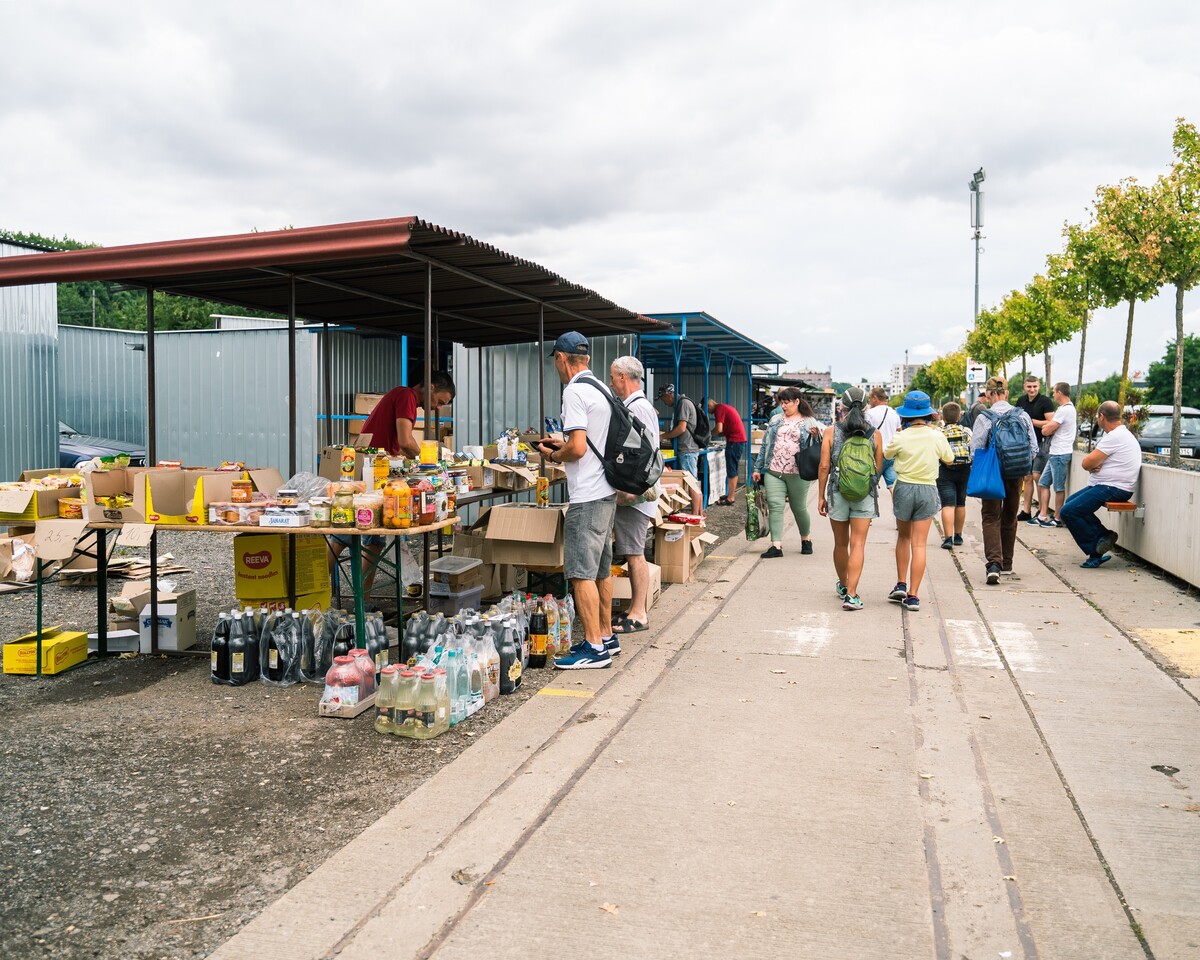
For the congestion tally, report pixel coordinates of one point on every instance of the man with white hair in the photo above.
(634, 513)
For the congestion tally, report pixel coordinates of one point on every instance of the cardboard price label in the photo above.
(136, 534)
(14, 501)
(56, 539)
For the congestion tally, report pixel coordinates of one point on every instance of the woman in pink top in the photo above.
(775, 465)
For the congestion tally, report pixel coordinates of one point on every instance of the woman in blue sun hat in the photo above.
(918, 449)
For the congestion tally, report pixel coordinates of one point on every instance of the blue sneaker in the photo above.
(911, 603)
(899, 592)
(842, 592)
(583, 656)
(1091, 563)
(613, 645)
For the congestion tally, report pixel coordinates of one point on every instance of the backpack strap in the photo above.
(604, 393)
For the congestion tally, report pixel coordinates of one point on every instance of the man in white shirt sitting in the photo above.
(1114, 467)
(1061, 431)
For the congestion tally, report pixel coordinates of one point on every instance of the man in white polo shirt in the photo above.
(588, 529)
(1114, 467)
(1060, 428)
(886, 422)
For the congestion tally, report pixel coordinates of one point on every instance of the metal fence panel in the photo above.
(28, 374)
(102, 382)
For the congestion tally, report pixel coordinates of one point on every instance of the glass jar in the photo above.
(320, 511)
(343, 683)
(341, 511)
(241, 491)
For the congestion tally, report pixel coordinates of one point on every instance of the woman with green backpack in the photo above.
(851, 463)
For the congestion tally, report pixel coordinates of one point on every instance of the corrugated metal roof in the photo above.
(368, 274)
(699, 329)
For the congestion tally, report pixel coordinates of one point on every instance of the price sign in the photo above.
(136, 534)
(56, 539)
(976, 372)
(14, 501)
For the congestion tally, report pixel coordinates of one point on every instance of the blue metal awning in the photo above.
(696, 340)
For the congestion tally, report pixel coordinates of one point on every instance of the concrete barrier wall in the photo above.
(1169, 534)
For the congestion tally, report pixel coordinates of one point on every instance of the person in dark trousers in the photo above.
(727, 424)
(999, 516)
(1113, 469)
(1040, 409)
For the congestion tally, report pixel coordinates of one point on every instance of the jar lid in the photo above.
(343, 659)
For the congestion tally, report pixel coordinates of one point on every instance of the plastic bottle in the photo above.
(566, 614)
(451, 666)
(538, 627)
(462, 685)
(276, 658)
(342, 682)
(491, 666)
(367, 666)
(410, 649)
(441, 691)
(553, 647)
(477, 672)
(385, 700)
(510, 659)
(343, 638)
(376, 646)
(242, 668)
(220, 650)
(406, 703)
(426, 725)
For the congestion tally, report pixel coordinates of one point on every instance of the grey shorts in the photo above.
(915, 501)
(587, 539)
(630, 532)
(842, 509)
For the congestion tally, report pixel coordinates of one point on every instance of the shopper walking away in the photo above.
(1037, 406)
(1113, 469)
(775, 466)
(587, 533)
(1061, 429)
(1014, 431)
(634, 513)
(728, 424)
(883, 418)
(917, 450)
(953, 477)
(839, 484)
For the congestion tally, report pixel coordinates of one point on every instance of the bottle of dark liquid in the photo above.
(220, 650)
(277, 653)
(510, 659)
(539, 629)
(239, 650)
(343, 639)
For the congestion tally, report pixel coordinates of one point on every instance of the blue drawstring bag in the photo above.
(986, 481)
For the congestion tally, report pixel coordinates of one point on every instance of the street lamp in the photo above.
(975, 186)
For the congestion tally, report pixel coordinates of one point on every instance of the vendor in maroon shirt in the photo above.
(728, 424)
(391, 422)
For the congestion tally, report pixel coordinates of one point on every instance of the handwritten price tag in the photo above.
(14, 501)
(136, 534)
(56, 539)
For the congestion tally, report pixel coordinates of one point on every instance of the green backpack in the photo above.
(856, 467)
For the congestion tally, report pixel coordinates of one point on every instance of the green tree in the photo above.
(1127, 266)
(993, 340)
(944, 378)
(1072, 274)
(1177, 221)
(1042, 318)
(1160, 382)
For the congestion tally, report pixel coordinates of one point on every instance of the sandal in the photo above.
(724, 502)
(629, 626)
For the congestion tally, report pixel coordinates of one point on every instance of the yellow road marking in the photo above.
(718, 556)
(553, 692)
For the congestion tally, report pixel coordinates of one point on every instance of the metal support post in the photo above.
(152, 459)
(102, 592)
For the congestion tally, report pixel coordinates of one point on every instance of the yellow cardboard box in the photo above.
(60, 649)
(260, 565)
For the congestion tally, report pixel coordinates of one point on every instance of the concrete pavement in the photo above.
(765, 775)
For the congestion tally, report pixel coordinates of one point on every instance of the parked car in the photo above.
(75, 448)
(1155, 436)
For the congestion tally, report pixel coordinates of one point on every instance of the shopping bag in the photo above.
(986, 481)
(756, 514)
(808, 459)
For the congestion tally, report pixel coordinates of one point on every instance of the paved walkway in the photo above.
(765, 775)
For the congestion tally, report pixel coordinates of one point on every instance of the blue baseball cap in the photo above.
(572, 343)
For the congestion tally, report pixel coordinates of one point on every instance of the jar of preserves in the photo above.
(341, 511)
(343, 683)
(241, 491)
(287, 497)
(397, 504)
(320, 511)
(367, 510)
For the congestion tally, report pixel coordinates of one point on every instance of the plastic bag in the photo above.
(315, 646)
(756, 514)
(308, 485)
(280, 650)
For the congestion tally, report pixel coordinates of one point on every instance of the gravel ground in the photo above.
(149, 813)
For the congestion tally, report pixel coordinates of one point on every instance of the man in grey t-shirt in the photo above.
(684, 412)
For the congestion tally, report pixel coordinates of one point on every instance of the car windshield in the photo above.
(66, 428)
(1161, 426)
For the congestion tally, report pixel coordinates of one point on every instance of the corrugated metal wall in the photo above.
(102, 382)
(498, 386)
(28, 374)
(359, 363)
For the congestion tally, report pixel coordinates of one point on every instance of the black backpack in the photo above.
(631, 459)
(1010, 437)
(703, 432)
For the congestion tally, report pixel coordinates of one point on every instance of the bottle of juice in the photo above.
(405, 717)
(397, 504)
(385, 701)
(491, 659)
(538, 628)
(426, 708)
(553, 647)
(220, 650)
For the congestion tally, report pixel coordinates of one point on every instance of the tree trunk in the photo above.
(1082, 348)
(1024, 368)
(1176, 420)
(1125, 362)
(1049, 382)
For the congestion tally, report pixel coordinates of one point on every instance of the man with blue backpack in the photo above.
(1011, 432)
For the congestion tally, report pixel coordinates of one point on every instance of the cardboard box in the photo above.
(8, 575)
(523, 534)
(330, 464)
(679, 550)
(456, 574)
(481, 475)
(260, 565)
(498, 579)
(60, 649)
(317, 600)
(26, 506)
(176, 620)
(511, 476)
(622, 589)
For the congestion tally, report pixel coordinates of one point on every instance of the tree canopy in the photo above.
(1160, 382)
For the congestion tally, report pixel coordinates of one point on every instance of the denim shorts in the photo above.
(733, 457)
(914, 501)
(1055, 472)
(689, 462)
(371, 540)
(587, 539)
(840, 508)
(629, 531)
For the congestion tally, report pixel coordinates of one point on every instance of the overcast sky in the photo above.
(798, 171)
